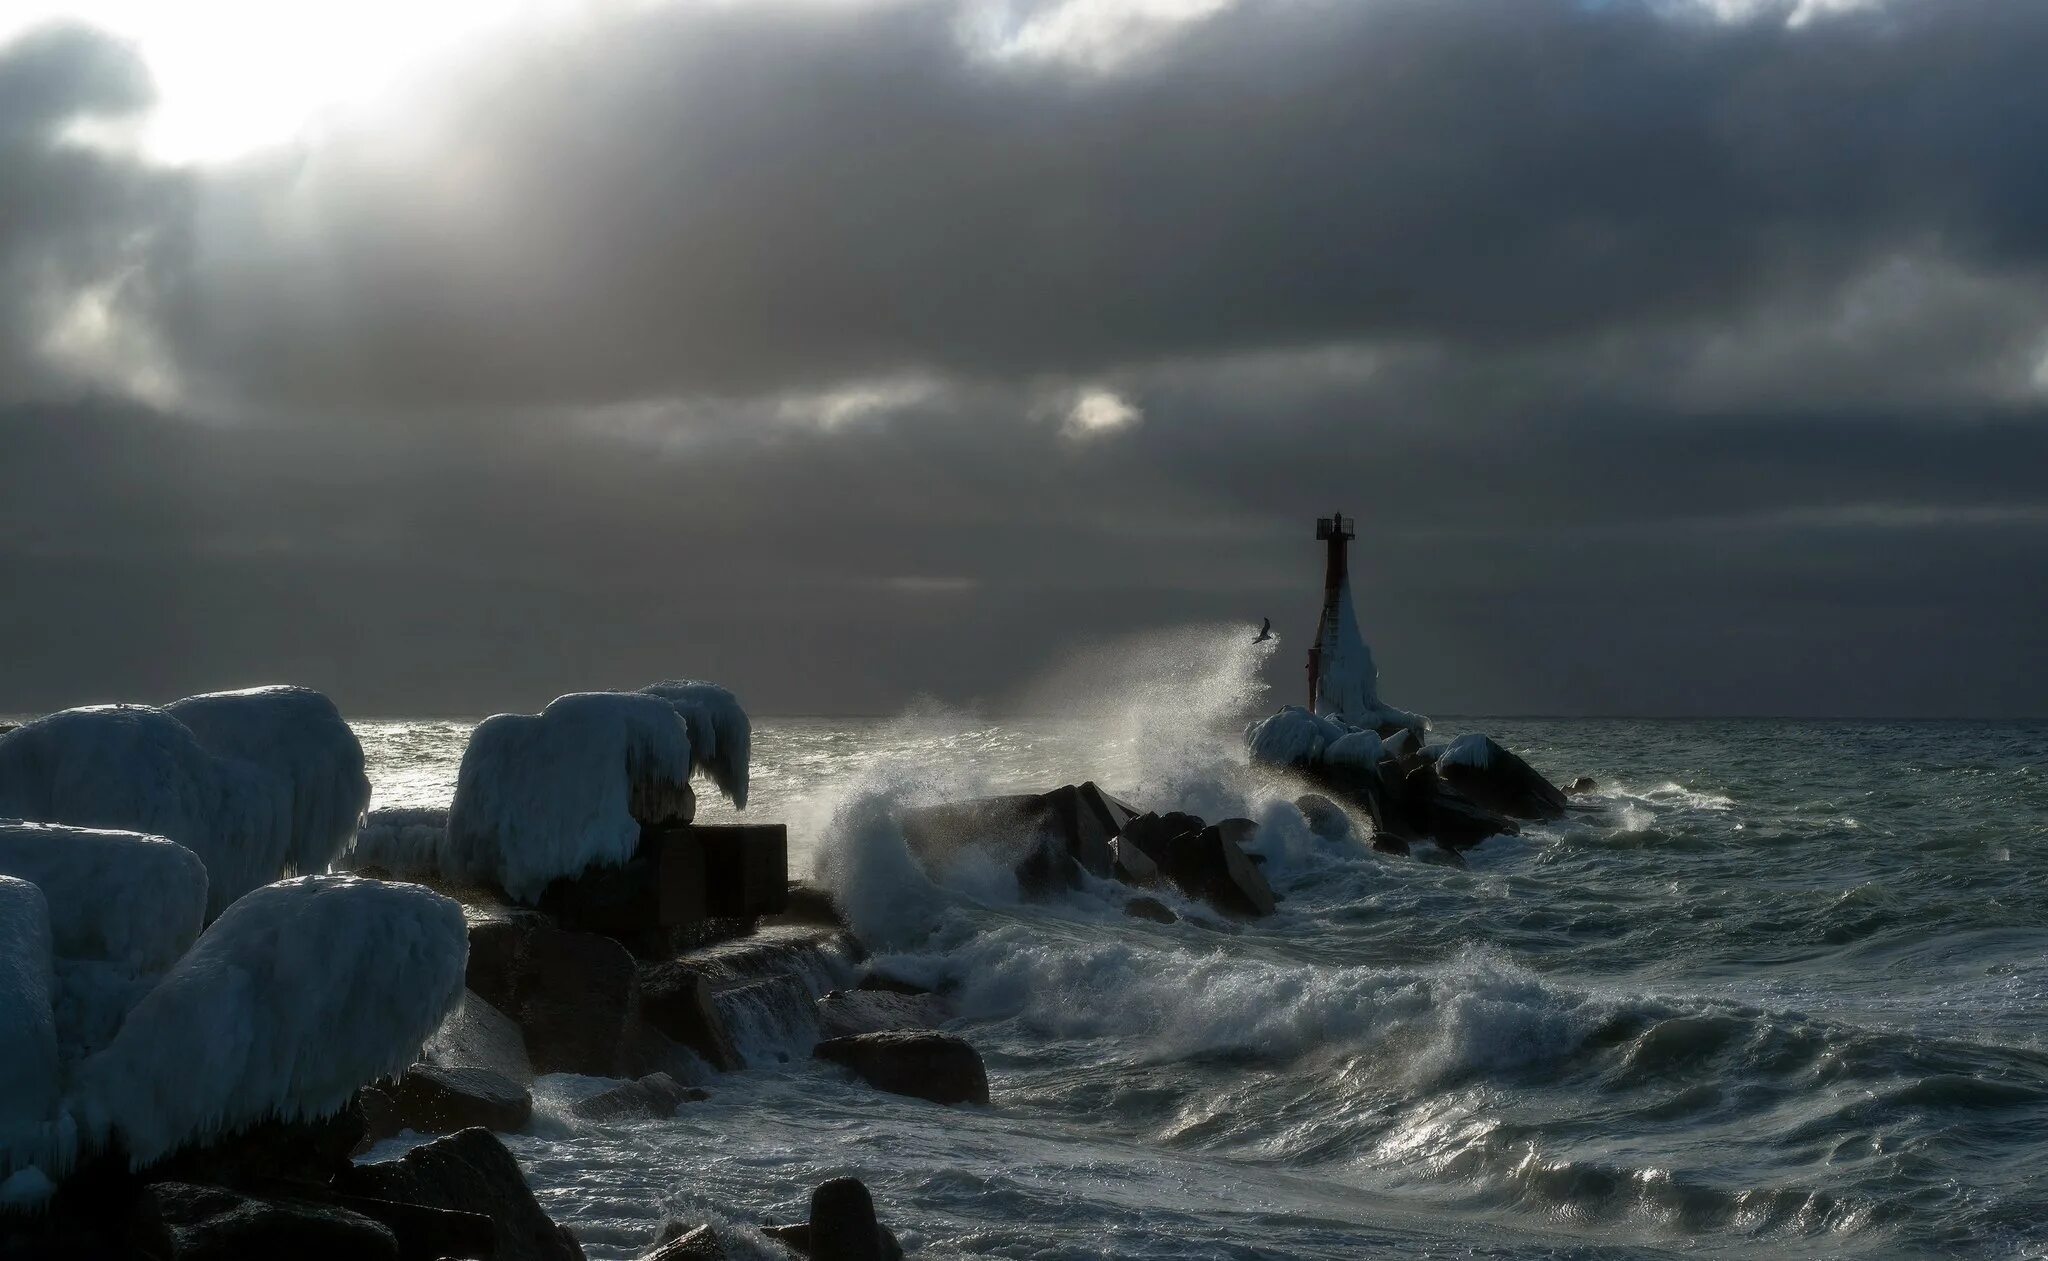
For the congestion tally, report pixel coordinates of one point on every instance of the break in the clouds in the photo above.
(1677, 356)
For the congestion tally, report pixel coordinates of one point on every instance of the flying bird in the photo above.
(1265, 631)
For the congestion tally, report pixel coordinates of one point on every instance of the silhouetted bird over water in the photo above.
(1265, 631)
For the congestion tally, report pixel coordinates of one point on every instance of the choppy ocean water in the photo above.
(1777, 989)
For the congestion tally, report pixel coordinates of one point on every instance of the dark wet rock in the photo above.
(478, 1035)
(1132, 865)
(312, 1151)
(1581, 786)
(842, 1227)
(1048, 839)
(655, 1095)
(1325, 817)
(436, 1100)
(1435, 810)
(424, 1233)
(1208, 865)
(575, 996)
(845, 1012)
(470, 1172)
(1497, 780)
(923, 1064)
(179, 1221)
(1150, 909)
(1150, 832)
(808, 904)
(675, 998)
(687, 1243)
(843, 1224)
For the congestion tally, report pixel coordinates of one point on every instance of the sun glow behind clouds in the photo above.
(236, 76)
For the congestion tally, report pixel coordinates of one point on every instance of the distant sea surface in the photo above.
(1777, 988)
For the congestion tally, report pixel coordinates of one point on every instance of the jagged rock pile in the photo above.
(1455, 795)
(1051, 840)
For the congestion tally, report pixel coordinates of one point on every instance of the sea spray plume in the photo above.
(297, 996)
(885, 895)
(298, 735)
(1166, 703)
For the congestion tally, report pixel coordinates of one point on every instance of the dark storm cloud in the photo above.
(737, 198)
(72, 217)
(1673, 365)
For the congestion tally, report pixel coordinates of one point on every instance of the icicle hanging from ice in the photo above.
(720, 733)
(29, 1084)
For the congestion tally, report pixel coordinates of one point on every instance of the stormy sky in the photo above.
(1676, 356)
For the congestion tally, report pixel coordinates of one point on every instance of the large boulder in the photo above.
(687, 1243)
(655, 1095)
(1497, 780)
(845, 1012)
(470, 1172)
(675, 999)
(920, 1063)
(431, 1099)
(1203, 861)
(478, 1035)
(179, 1221)
(574, 996)
(1048, 839)
(842, 1226)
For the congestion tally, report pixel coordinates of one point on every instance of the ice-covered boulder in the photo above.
(540, 796)
(30, 1087)
(1291, 737)
(720, 733)
(115, 897)
(405, 841)
(123, 908)
(1360, 749)
(136, 768)
(298, 735)
(1497, 780)
(299, 994)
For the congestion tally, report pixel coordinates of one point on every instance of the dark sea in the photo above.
(1775, 989)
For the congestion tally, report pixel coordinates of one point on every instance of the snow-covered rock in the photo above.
(404, 840)
(1292, 737)
(1498, 780)
(136, 768)
(720, 733)
(114, 897)
(298, 735)
(301, 993)
(545, 795)
(30, 1087)
(1361, 749)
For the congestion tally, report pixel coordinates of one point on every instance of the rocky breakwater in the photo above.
(1454, 795)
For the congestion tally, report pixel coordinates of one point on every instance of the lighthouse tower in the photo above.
(1342, 677)
(1328, 653)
